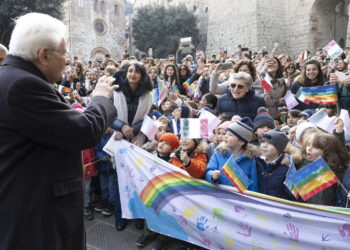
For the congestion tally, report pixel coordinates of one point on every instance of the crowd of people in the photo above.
(256, 129)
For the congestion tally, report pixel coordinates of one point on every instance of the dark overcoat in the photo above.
(41, 174)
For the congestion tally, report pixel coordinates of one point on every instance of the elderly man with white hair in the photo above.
(3, 53)
(41, 138)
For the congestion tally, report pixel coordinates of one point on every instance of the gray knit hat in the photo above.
(242, 128)
(278, 139)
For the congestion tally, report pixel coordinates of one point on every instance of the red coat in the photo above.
(197, 165)
(89, 157)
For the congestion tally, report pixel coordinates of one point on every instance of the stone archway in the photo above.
(328, 21)
(98, 54)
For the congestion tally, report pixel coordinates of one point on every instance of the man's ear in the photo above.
(241, 143)
(43, 56)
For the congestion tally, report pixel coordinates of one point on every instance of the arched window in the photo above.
(116, 10)
(95, 5)
(103, 7)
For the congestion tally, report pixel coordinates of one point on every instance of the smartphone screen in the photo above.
(226, 66)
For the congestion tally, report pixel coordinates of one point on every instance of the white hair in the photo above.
(3, 48)
(34, 31)
(248, 80)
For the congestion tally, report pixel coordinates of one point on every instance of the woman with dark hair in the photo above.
(274, 98)
(153, 74)
(290, 72)
(185, 73)
(133, 101)
(171, 75)
(310, 77)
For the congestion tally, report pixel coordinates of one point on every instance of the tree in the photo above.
(10, 9)
(161, 28)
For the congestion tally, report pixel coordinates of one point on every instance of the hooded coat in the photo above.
(246, 162)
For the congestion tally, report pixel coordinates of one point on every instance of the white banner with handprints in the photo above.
(218, 217)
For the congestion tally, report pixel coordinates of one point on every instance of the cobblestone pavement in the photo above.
(101, 235)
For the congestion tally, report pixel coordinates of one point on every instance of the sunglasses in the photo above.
(182, 69)
(233, 85)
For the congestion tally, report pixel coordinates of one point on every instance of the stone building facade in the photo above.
(295, 25)
(95, 28)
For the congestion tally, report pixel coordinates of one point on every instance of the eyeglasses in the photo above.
(290, 68)
(233, 85)
(182, 69)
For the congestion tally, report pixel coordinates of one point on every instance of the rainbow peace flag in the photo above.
(313, 178)
(162, 90)
(187, 84)
(236, 175)
(289, 184)
(155, 95)
(321, 94)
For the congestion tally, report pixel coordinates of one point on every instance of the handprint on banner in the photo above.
(344, 230)
(183, 220)
(214, 230)
(201, 223)
(131, 174)
(123, 151)
(190, 212)
(294, 247)
(274, 243)
(262, 222)
(217, 214)
(205, 240)
(141, 179)
(293, 232)
(138, 163)
(127, 191)
(240, 210)
(257, 245)
(247, 229)
(228, 240)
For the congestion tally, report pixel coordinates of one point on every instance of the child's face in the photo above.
(187, 144)
(159, 133)
(312, 153)
(291, 120)
(261, 131)
(177, 113)
(268, 150)
(166, 106)
(221, 134)
(231, 140)
(107, 73)
(164, 148)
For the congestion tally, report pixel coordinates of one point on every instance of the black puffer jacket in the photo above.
(247, 106)
(272, 176)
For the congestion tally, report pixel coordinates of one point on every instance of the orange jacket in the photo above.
(197, 164)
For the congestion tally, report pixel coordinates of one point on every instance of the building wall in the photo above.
(84, 41)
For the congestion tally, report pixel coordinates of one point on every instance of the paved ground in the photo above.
(101, 235)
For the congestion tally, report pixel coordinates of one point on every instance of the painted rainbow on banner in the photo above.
(236, 175)
(313, 178)
(163, 188)
(321, 94)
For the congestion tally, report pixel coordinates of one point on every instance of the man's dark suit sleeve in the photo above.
(41, 115)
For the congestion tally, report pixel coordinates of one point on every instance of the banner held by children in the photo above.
(219, 217)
